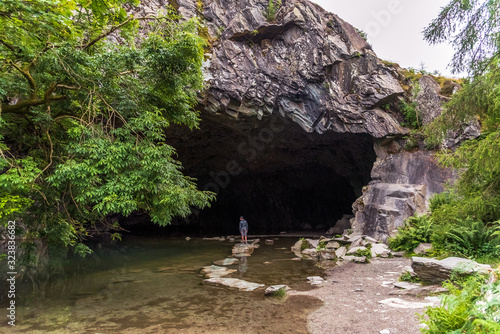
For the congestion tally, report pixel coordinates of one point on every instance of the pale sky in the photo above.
(394, 29)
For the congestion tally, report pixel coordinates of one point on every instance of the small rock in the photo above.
(310, 252)
(341, 251)
(354, 250)
(269, 242)
(188, 238)
(371, 240)
(332, 245)
(267, 263)
(357, 259)
(380, 250)
(273, 288)
(399, 303)
(406, 285)
(313, 243)
(398, 254)
(226, 262)
(315, 280)
(327, 254)
(422, 248)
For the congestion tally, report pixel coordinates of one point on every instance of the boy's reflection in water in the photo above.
(243, 266)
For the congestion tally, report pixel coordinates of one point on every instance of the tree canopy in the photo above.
(473, 27)
(86, 95)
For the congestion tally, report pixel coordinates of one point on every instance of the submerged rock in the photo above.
(216, 271)
(234, 283)
(273, 288)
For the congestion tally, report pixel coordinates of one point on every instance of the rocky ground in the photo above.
(352, 295)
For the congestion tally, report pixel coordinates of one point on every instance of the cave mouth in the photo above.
(272, 172)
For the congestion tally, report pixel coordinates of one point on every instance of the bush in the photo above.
(304, 245)
(474, 239)
(415, 231)
(280, 293)
(472, 306)
(272, 9)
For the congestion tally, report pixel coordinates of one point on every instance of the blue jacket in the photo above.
(243, 224)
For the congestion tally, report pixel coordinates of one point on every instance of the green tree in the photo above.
(86, 95)
(473, 28)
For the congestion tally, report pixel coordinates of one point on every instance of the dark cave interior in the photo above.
(271, 171)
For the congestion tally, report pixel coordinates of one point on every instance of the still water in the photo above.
(154, 286)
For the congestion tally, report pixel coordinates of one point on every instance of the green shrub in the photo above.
(304, 245)
(415, 231)
(272, 9)
(440, 199)
(473, 239)
(364, 252)
(472, 306)
(280, 293)
(407, 277)
(321, 245)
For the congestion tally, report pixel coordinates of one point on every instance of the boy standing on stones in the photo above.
(243, 230)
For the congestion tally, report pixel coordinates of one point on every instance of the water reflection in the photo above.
(154, 287)
(243, 266)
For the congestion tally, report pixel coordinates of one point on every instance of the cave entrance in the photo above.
(279, 177)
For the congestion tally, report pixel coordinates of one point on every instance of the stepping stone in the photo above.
(233, 283)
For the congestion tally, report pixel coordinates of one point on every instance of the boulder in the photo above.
(402, 184)
(240, 249)
(436, 271)
(297, 248)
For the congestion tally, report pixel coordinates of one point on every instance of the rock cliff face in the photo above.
(311, 67)
(307, 65)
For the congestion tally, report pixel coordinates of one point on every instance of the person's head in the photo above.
(241, 217)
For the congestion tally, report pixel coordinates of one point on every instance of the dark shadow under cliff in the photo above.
(271, 171)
